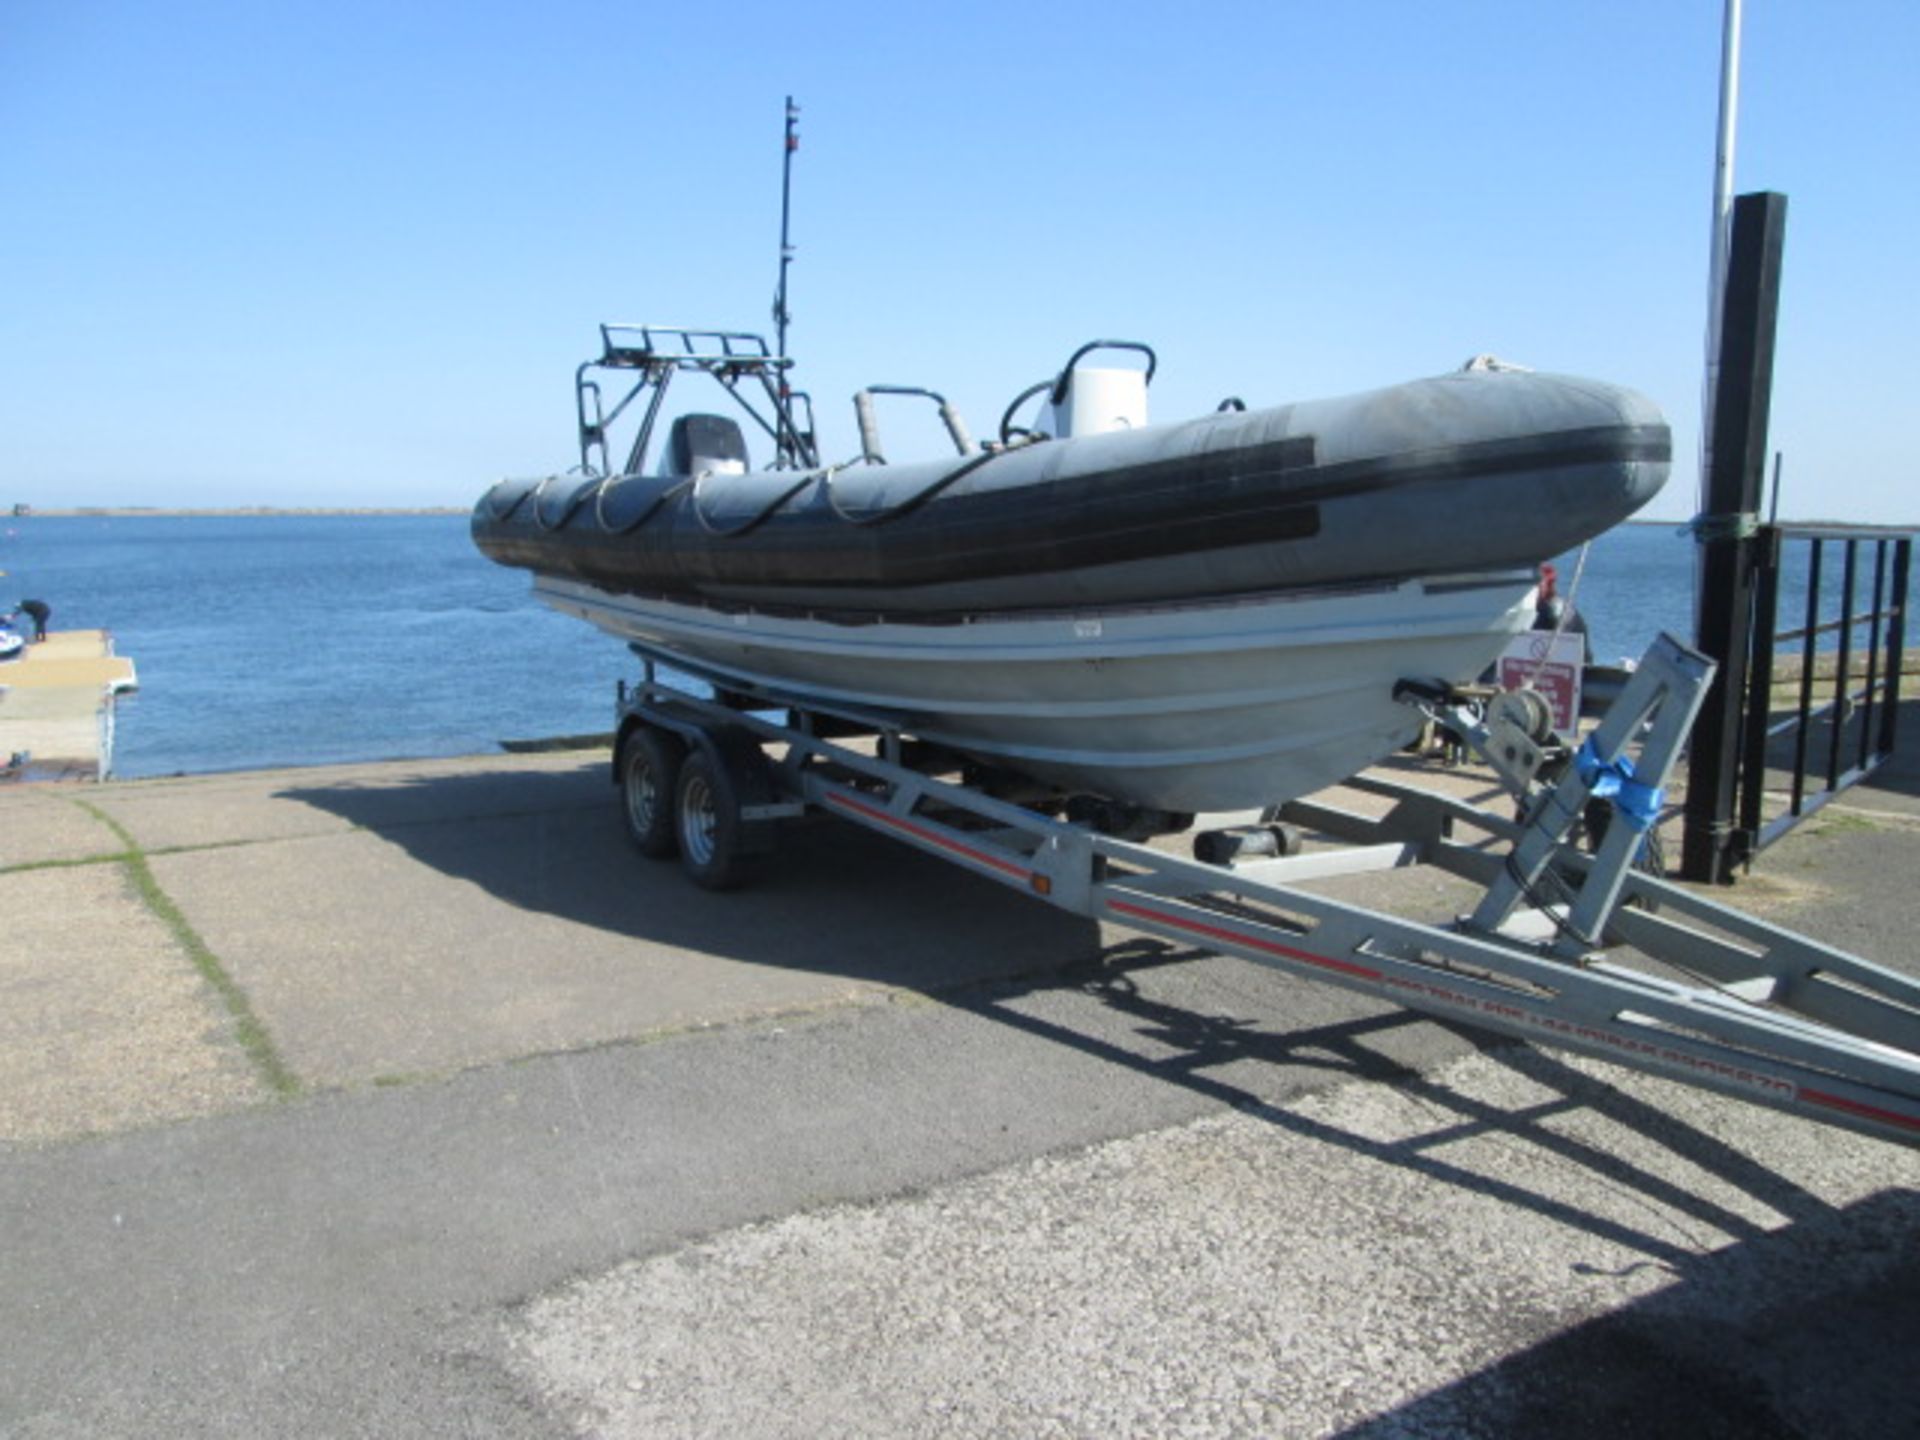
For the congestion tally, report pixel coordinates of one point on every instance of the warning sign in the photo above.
(1548, 663)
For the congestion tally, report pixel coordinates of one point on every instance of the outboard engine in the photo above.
(709, 444)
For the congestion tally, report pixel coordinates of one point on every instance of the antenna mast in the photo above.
(780, 313)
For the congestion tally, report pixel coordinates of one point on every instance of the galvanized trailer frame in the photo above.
(1574, 951)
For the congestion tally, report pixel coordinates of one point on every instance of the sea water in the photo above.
(267, 640)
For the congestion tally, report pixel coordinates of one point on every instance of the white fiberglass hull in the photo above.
(1206, 706)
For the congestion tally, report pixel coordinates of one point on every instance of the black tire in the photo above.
(649, 780)
(706, 817)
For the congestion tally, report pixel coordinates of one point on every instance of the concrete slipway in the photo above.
(56, 706)
(404, 1100)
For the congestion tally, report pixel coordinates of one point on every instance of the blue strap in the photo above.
(1638, 804)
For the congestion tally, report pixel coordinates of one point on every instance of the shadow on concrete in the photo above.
(841, 900)
(1791, 1331)
(1806, 1331)
(1202, 1048)
(835, 899)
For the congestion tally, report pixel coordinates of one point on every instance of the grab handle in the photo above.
(1059, 394)
(870, 429)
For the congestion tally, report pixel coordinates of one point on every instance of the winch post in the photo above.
(1662, 699)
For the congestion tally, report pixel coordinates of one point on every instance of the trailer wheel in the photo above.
(649, 778)
(706, 813)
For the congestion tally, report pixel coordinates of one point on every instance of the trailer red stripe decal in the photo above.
(1856, 1107)
(921, 832)
(1241, 937)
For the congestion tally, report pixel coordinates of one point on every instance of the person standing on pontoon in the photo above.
(36, 611)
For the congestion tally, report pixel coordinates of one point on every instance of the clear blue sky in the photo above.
(348, 253)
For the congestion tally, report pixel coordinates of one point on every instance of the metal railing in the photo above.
(1830, 737)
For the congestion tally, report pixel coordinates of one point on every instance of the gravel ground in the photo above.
(1370, 1259)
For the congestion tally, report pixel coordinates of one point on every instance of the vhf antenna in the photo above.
(786, 439)
(780, 313)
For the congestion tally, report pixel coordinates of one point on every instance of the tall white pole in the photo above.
(1722, 225)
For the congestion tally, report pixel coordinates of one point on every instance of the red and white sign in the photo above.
(1548, 663)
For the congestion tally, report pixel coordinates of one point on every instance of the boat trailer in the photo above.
(1577, 949)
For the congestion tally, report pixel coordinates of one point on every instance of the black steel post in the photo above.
(1843, 662)
(1869, 732)
(1742, 404)
(1896, 642)
(1768, 555)
(1809, 650)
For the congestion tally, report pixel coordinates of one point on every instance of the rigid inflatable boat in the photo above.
(1201, 616)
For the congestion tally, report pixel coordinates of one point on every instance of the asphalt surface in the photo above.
(873, 1149)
